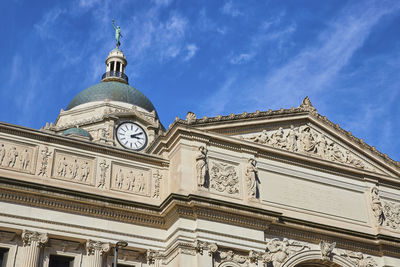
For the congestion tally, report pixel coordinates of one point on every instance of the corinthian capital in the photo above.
(97, 246)
(31, 238)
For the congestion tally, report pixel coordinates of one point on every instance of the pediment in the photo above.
(304, 133)
(311, 140)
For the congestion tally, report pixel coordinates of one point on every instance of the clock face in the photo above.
(130, 135)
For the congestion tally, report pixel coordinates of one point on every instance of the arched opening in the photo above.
(318, 263)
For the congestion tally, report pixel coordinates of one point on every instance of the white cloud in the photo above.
(216, 103)
(88, 3)
(191, 51)
(240, 59)
(315, 67)
(229, 9)
(162, 2)
(44, 27)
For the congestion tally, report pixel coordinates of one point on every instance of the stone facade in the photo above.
(278, 188)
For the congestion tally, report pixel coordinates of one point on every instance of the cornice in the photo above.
(183, 131)
(51, 138)
(305, 109)
(191, 207)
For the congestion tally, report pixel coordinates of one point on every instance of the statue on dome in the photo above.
(117, 33)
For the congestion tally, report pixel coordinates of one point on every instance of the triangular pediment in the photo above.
(304, 132)
(310, 140)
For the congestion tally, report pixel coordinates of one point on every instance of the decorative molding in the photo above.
(30, 238)
(203, 245)
(358, 258)
(224, 178)
(278, 251)
(326, 250)
(94, 247)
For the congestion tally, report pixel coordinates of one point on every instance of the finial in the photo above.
(190, 117)
(117, 33)
(306, 105)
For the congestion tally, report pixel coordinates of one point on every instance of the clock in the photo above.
(131, 136)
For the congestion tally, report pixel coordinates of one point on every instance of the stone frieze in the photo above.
(73, 167)
(306, 140)
(224, 178)
(17, 157)
(130, 179)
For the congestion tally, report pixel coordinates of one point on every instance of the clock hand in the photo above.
(135, 135)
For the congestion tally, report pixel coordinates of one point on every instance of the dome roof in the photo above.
(114, 91)
(77, 131)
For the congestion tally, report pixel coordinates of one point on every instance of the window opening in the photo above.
(3, 257)
(61, 261)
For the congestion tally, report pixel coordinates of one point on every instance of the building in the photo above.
(279, 188)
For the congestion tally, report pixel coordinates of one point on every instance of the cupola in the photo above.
(116, 64)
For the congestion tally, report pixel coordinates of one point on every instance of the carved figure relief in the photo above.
(392, 215)
(119, 179)
(251, 175)
(25, 159)
(12, 156)
(232, 257)
(157, 182)
(358, 258)
(306, 140)
(278, 251)
(15, 156)
(45, 154)
(376, 205)
(202, 167)
(130, 179)
(73, 168)
(326, 249)
(223, 178)
(2, 153)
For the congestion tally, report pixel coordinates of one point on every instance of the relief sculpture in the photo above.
(16, 157)
(223, 178)
(157, 184)
(2, 153)
(358, 258)
(74, 168)
(45, 154)
(202, 167)
(306, 140)
(252, 181)
(386, 213)
(279, 251)
(377, 206)
(130, 179)
(392, 215)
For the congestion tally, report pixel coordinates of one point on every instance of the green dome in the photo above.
(77, 131)
(114, 91)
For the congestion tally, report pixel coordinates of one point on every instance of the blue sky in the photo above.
(210, 57)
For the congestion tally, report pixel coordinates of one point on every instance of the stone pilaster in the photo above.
(95, 251)
(33, 241)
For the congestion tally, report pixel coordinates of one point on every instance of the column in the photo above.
(33, 241)
(95, 251)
